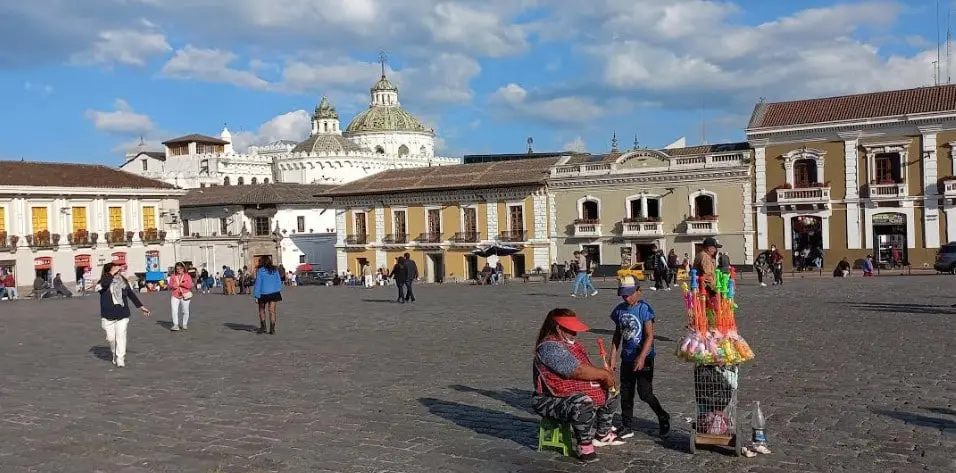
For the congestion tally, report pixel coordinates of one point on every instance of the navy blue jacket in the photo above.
(110, 311)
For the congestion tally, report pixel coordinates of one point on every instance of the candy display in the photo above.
(712, 337)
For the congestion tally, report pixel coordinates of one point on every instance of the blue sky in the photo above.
(87, 78)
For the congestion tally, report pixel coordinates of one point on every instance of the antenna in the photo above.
(935, 72)
(937, 43)
(703, 124)
(949, 39)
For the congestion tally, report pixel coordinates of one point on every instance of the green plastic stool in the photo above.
(552, 434)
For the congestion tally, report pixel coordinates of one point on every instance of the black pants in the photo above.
(401, 290)
(778, 273)
(643, 381)
(759, 272)
(409, 295)
(658, 279)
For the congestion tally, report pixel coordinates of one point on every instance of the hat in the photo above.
(709, 241)
(571, 322)
(627, 286)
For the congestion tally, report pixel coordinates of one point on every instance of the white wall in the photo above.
(392, 141)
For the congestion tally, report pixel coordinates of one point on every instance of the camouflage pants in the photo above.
(579, 410)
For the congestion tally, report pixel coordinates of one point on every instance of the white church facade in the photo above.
(384, 136)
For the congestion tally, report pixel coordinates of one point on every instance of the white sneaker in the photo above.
(594, 293)
(653, 288)
(120, 363)
(608, 440)
(668, 288)
(763, 284)
(574, 295)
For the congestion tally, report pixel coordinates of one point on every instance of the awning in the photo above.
(82, 261)
(303, 267)
(119, 258)
(43, 262)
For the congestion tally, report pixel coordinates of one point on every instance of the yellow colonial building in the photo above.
(858, 175)
(440, 215)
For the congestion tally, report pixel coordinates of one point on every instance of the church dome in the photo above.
(327, 143)
(325, 111)
(384, 119)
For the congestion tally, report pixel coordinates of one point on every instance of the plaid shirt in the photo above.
(550, 383)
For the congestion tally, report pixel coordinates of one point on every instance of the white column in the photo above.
(20, 218)
(821, 177)
(950, 223)
(540, 214)
(340, 226)
(748, 223)
(379, 224)
(491, 215)
(760, 163)
(931, 199)
(851, 181)
(788, 167)
(644, 205)
(787, 231)
(552, 226)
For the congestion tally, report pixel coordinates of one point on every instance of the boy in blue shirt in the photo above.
(634, 338)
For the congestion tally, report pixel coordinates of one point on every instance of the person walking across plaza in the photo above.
(267, 291)
(776, 264)
(706, 266)
(115, 296)
(634, 340)
(228, 281)
(411, 274)
(400, 275)
(367, 279)
(659, 268)
(569, 389)
(583, 277)
(673, 263)
(181, 293)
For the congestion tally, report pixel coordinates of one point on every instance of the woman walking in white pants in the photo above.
(180, 286)
(115, 296)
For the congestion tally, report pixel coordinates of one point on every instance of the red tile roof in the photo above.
(281, 193)
(855, 107)
(29, 173)
(197, 138)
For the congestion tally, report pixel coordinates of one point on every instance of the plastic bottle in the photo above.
(758, 422)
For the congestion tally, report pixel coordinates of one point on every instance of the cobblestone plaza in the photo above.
(854, 375)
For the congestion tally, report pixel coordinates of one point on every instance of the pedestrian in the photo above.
(204, 281)
(673, 263)
(242, 276)
(59, 288)
(400, 275)
(267, 291)
(569, 389)
(499, 272)
(411, 271)
(762, 266)
(659, 267)
(10, 285)
(776, 264)
(582, 277)
(367, 276)
(228, 281)
(115, 296)
(180, 287)
(634, 339)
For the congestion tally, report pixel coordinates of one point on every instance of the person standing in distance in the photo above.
(115, 296)
(411, 274)
(181, 293)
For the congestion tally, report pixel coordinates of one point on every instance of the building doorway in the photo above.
(643, 252)
(518, 268)
(435, 267)
(471, 267)
(806, 240)
(359, 264)
(593, 254)
(889, 239)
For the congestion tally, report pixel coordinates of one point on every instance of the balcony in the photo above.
(8, 243)
(466, 238)
(43, 240)
(152, 236)
(641, 228)
(82, 239)
(356, 240)
(429, 239)
(587, 228)
(886, 190)
(513, 236)
(817, 195)
(947, 187)
(702, 226)
(119, 237)
(395, 239)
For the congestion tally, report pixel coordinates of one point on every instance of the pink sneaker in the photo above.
(608, 440)
(586, 453)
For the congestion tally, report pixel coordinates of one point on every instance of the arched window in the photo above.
(804, 173)
(226, 181)
(589, 209)
(265, 181)
(255, 181)
(240, 181)
(379, 150)
(403, 150)
(704, 206)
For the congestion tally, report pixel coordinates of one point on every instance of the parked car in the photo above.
(314, 278)
(946, 258)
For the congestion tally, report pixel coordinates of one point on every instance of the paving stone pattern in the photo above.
(855, 375)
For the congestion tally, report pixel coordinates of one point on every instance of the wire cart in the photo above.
(715, 399)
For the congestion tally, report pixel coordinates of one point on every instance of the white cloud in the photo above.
(122, 121)
(294, 125)
(42, 89)
(128, 47)
(210, 65)
(568, 110)
(577, 145)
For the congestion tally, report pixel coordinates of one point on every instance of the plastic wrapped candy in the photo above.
(712, 336)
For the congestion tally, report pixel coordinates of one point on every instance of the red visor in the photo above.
(571, 323)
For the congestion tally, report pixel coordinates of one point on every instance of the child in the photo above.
(634, 337)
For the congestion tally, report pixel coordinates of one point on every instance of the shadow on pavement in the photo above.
(382, 301)
(521, 430)
(947, 425)
(941, 410)
(102, 352)
(241, 327)
(517, 398)
(900, 308)
(164, 324)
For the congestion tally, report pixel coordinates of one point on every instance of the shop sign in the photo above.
(82, 261)
(119, 258)
(43, 262)
(626, 253)
(152, 253)
(889, 219)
